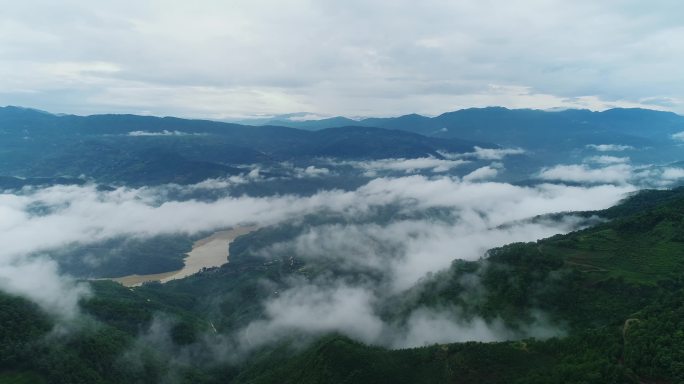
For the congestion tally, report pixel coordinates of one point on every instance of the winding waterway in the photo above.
(211, 251)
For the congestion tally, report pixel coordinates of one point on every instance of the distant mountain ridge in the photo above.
(553, 135)
(150, 150)
(630, 118)
(132, 147)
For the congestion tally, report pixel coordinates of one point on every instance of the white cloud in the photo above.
(483, 173)
(312, 171)
(38, 279)
(406, 165)
(315, 309)
(387, 259)
(582, 173)
(607, 160)
(678, 136)
(83, 214)
(306, 117)
(218, 183)
(485, 153)
(426, 327)
(613, 171)
(284, 170)
(610, 147)
(405, 251)
(160, 133)
(397, 255)
(311, 309)
(673, 173)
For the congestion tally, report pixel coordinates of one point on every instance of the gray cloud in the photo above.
(369, 57)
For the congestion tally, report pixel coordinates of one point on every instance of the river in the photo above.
(208, 252)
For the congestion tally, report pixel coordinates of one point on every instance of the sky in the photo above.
(242, 58)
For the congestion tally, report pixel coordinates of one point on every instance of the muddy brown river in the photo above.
(208, 252)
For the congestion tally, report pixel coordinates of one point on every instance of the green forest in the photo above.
(616, 288)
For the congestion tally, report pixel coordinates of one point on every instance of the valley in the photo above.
(209, 252)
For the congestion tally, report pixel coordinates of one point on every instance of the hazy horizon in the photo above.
(302, 116)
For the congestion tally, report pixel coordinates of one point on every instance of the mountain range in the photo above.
(131, 148)
(388, 250)
(148, 150)
(553, 135)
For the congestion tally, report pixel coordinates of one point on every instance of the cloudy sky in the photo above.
(221, 59)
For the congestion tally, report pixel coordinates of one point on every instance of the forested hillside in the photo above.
(613, 290)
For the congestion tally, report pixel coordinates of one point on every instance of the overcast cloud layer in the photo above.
(356, 58)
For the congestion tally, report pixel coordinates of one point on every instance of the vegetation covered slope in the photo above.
(615, 289)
